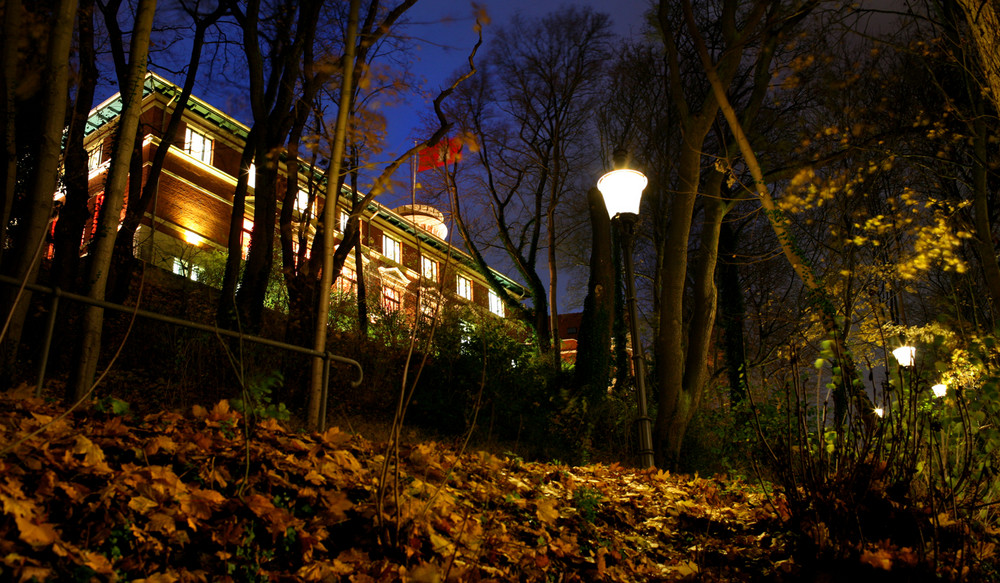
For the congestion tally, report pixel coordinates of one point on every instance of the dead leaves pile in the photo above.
(173, 497)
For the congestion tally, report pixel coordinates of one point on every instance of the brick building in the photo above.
(405, 249)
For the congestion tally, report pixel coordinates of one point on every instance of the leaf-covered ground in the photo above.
(171, 497)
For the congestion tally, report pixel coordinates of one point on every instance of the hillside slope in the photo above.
(171, 497)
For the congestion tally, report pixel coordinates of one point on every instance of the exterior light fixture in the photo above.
(193, 238)
(880, 412)
(905, 355)
(622, 192)
(940, 390)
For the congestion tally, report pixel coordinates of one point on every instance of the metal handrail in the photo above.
(57, 293)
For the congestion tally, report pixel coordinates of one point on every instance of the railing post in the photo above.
(47, 344)
(326, 391)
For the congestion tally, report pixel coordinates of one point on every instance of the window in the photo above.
(95, 217)
(390, 299)
(94, 159)
(429, 268)
(198, 145)
(464, 287)
(390, 248)
(185, 268)
(342, 217)
(245, 237)
(252, 176)
(430, 301)
(347, 282)
(496, 305)
(302, 202)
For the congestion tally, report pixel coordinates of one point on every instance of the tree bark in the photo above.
(12, 17)
(114, 194)
(780, 225)
(73, 214)
(140, 199)
(593, 351)
(329, 216)
(732, 315)
(983, 17)
(27, 250)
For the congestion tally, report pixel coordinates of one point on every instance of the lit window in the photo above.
(185, 268)
(252, 176)
(464, 287)
(94, 159)
(429, 303)
(390, 299)
(245, 237)
(347, 282)
(342, 217)
(198, 145)
(390, 248)
(496, 305)
(467, 331)
(429, 268)
(302, 202)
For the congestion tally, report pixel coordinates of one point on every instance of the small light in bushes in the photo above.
(905, 355)
(879, 411)
(940, 390)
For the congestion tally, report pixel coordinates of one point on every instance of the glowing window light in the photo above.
(940, 390)
(880, 411)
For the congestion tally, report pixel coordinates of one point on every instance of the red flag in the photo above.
(444, 152)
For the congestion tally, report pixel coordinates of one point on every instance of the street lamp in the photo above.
(622, 191)
(905, 355)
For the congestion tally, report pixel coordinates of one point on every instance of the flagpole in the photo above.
(413, 176)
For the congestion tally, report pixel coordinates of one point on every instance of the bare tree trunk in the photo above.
(700, 328)
(553, 291)
(226, 312)
(983, 17)
(326, 278)
(73, 214)
(46, 174)
(732, 316)
(140, 199)
(114, 194)
(780, 225)
(669, 344)
(593, 352)
(8, 100)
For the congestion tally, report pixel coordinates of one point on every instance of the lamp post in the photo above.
(622, 190)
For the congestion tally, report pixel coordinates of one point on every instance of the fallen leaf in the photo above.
(141, 504)
(880, 559)
(36, 533)
(93, 455)
(546, 511)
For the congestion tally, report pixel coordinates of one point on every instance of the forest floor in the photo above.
(199, 496)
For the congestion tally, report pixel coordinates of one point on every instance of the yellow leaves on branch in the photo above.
(936, 240)
(924, 232)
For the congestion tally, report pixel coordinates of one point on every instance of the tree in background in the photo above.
(102, 243)
(740, 34)
(26, 245)
(138, 204)
(529, 115)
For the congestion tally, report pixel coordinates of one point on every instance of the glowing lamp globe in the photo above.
(940, 390)
(905, 355)
(622, 191)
